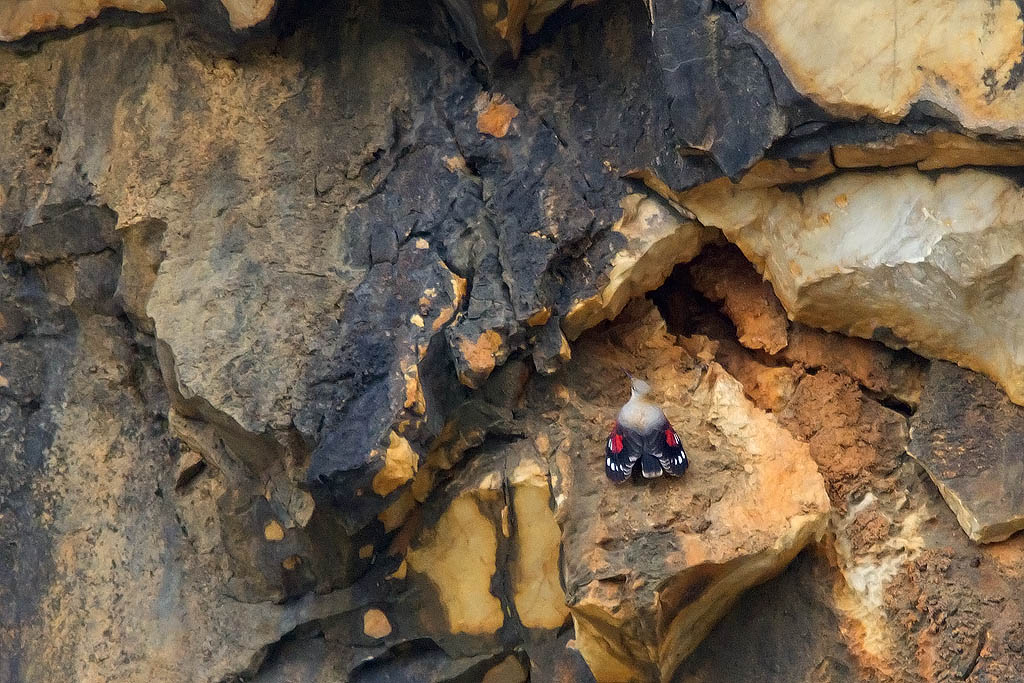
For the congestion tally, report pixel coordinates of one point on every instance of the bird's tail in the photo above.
(650, 467)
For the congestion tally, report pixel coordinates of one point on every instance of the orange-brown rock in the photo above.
(723, 275)
(22, 17)
(770, 387)
(850, 436)
(480, 357)
(934, 150)
(494, 114)
(878, 368)
(650, 567)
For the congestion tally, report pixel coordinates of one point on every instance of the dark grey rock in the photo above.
(969, 437)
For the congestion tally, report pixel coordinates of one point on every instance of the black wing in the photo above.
(620, 455)
(672, 456)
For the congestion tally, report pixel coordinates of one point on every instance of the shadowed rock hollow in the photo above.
(312, 321)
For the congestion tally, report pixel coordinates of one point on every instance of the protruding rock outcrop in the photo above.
(308, 354)
(657, 238)
(931, 264)
(649, 568)
(957, 59)
(19, 19)
(969, 438)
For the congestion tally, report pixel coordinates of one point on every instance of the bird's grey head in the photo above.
(640, 388)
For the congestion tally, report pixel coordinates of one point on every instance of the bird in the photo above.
(642, 434)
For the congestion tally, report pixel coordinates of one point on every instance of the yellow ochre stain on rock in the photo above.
(459, 560)
(273, 531)
(480, 355)
(400, 464)
(376, 624)
(539, 599)
(539, 318)
(494, 114)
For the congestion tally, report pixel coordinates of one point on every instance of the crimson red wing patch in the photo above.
(619, 455)
(615, 443)
(673, 457)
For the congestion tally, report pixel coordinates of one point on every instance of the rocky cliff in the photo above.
(313, 316)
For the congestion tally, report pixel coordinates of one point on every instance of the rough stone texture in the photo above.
(656, 239)
(969, 439)
(106, 570)
(248, 347)
(724, 275)
(494, 30)
(883, 372)
(925, 263)
(938, 149)
(880, 59)
(22, 17)
(243, 14)
(782, 631)
(648, 569)
(898, 592)
(287, 290)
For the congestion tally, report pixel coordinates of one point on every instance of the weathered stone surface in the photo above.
(724, 275)
(230, 300)
(22, 17)
(244, 14)
(649, 569)
(342, 249)
(879, 369)
(503, 501)
(107, 571)
(928, 264)
(919, 600)
(969, 437)
(875, 58)
(906, 590)
(851, 437)
(482, 572)
(656, 239)
(140, 259)
(782, 631)
(930, 151)
(494, 30)
(729, 99)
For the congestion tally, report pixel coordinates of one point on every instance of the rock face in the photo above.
(896, 592)
(969, 437)
(23, 17)
(656, 239)
(925, 263)
(784, 630)
(649, 569)
(880, 59)
(312, 319)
